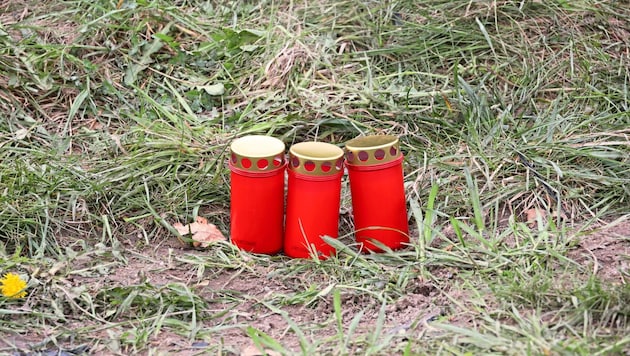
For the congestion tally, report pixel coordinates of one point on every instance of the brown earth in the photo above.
(606, 250)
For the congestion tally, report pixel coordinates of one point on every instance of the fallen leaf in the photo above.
(203, 283)
(252, 350)
(203, 233)
(95, 125)
(563, 216)
(213, 89)
(21, 134)
(532, 216)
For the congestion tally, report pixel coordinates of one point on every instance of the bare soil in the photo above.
(605, 250)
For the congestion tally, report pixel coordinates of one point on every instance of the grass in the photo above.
(116, 119)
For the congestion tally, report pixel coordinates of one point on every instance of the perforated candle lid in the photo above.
(371, 150)
(257, 153)
(316, 158)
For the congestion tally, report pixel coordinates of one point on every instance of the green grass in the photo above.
(115, 123)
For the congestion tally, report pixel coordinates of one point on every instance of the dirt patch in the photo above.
(606, 250)
(256, 298)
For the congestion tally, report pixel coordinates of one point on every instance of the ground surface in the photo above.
(116, 119)
(238, 296)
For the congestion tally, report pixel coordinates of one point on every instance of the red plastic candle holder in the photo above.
(313, 199)
(257, 166)
(378, 194)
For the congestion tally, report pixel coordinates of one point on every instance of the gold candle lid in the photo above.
(370, 150)
(316, 159)
(257, 153)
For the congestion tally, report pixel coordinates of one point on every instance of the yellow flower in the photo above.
(12, 286)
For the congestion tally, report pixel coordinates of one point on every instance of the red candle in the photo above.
(257, 166)
(314, 192)
(378, 195)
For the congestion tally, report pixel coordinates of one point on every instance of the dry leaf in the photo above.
(532, 216)
(563, 216)
(203, 283)
(202, 232)
(252, 350)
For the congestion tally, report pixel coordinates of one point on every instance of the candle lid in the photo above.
(371, 150)
(257, 153)
(316, 159)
